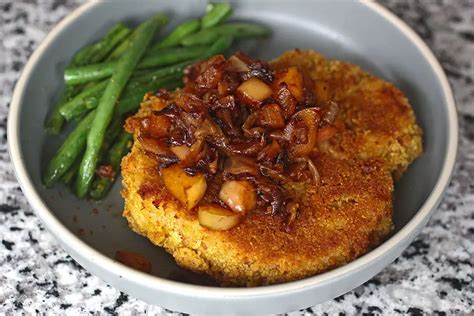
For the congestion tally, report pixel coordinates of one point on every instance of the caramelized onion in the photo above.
(271, 116)
(291, 209)
(229, 83)
(270, 152)
(236, 165)
(211, 72)
(154, 146)
(255, 128)
(271, 194)
(284, 97)
(191, 103)
(248, 126)
(273, 174)
(202, 162)
(183, 124)
(209, 128)
(213, 166)
(314, 172)
(246, 147)
(306, 163)
(293, 79)
(309, 133)
(278, 135)
(258, 69)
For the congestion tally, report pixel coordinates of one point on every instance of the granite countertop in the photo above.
(434, 275)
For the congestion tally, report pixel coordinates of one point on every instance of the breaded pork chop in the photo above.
(348, 214)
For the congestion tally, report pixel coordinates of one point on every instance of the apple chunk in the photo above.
(217, 218)
(240, 196)
(189, 190)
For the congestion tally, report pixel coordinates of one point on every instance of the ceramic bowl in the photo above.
(361, 32)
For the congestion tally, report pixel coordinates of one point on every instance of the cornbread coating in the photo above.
(349, 213)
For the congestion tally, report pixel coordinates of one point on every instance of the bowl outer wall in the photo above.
(208, 300)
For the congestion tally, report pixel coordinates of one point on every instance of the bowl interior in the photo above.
(338, 29)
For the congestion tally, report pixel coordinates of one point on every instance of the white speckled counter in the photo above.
(433, 276)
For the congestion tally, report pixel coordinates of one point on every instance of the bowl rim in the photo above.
(97, 258)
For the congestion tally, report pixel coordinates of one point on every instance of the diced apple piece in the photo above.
(217, 218)
(254, 90)
(240, 196)
(236, 64)
(189, 190)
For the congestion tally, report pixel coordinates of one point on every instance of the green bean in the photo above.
(72, 172)
(221, 44)
(80, 117)
(169, 56)
(77, 104)
(98, 51)
(217, 13)
(77, 75)
(89, 98)
(101, 185)
(237, 30)
(184, 29)
(105, 109)
(130, 102)
(89, 54)
(120, 49)
(112, 132)
(93, 101)
(68, 152)
(162, 72)
(172, 84)
(79, 58)
(55, 122)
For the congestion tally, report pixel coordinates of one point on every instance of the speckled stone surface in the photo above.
(433, 276)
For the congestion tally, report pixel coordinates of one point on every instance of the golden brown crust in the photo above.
(349, 214)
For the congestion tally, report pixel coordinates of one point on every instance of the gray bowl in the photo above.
(360, 32)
